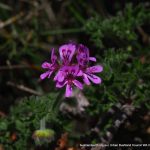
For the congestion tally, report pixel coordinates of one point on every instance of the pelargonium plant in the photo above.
(73, 68)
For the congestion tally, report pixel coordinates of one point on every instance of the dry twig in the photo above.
(145, 36)
(24, 88)
(11, 20)
(48, 9)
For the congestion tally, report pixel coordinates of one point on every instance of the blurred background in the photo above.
(117, 34)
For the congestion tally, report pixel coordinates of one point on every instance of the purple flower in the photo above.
(49, 66)
(66, 53)
(73, 65)
(88, 74)
(70, 75)
(83, 56)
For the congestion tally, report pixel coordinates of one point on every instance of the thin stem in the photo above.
(42, 123)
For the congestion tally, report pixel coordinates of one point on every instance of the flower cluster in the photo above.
(72, 67)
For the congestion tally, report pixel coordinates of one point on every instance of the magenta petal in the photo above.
(62, 51)
(50, 72)
(44, 75)
(59, 76)
(53, 56)
(66, 52)
(68, 90)
(46, 65)
(86, 80)
(95, 69)
(83, 50)
(78, 84)
(73, 70)
(95, 79)
(72, 47)
(56, 76)
(80, 73)
(92, 59)
(82, 55)
(60, 84)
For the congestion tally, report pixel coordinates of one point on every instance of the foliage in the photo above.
(119, 30)
(119, 46)
(25, 119)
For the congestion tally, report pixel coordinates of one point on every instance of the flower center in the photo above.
(70, 75)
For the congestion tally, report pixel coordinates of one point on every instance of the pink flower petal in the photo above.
(82, 55)
(83, 50)
(95, 69)
(59, 76)
(74, 70)
(56, 76)
(80, 73)
(60, 84)
(46, 65)
(78, 84)
(62, 51)
(53, 56)
(95, 79)
(44, 75)
(86, 80)
(66, 52)
(92, 59)
(50, 72)
(68, 90)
